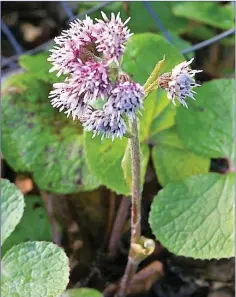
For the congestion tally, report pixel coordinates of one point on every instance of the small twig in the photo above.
(118, 225)
(47, 198)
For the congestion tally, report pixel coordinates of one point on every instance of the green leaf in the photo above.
(21, 82)
(208, 12)
(104, 157)
(195, 217)
(172, 161)
(206, 127)
(33, 226)
(39, 67)
(82, 292)
(12, 208)
(37, 138)
(148, 24)
(35, 269)
(104, 160)
(139, 65)
(62, 168)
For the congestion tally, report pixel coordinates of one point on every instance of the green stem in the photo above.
(133, 262)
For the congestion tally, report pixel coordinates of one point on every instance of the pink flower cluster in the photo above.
(179, 83)
(90, 55)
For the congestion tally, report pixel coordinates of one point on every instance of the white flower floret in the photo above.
(126, 98)
(66, 99)
(101, 123)
(112, 39)
(179, 83)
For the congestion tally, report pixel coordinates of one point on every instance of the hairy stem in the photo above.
(135, 211)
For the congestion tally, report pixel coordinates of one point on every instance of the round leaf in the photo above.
(37, 138)
(172, 161)
(35, 269)
(206, 127)
(12, 208)
(34, 224)
(81, 292)
(195, 218)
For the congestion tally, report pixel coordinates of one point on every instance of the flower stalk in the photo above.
(135, 209)
(140, 247)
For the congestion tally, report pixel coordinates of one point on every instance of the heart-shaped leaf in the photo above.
(195, 217)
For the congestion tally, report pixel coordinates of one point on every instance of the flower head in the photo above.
(126, 98)
(91, 80)
(179, 83)
(85, 53)
(74, 46)
(63, 57)
(101, 123)
(66, 98)
(112, 38)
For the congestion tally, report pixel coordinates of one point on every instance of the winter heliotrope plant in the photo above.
(90, 55)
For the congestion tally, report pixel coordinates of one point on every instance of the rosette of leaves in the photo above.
(195, 217)
(31, 268)
(110, 161)
(38, 139)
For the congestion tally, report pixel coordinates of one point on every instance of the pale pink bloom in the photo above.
(126, 98)
(64, 57)
(179, 83)
(101, 123)
(85, 52)
(66, 99)
(91, 80)
(112, 39)
(73, 45)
